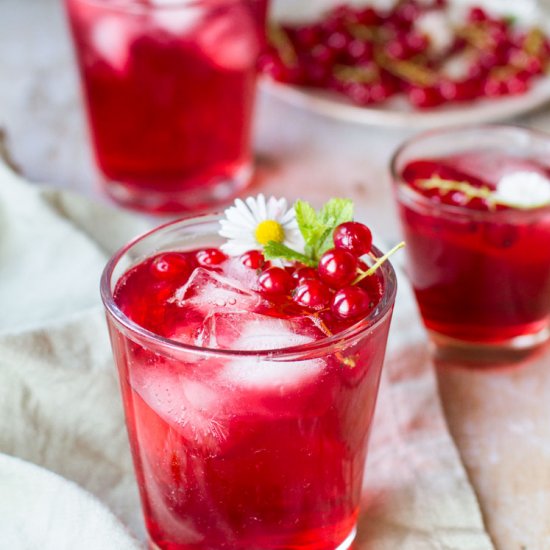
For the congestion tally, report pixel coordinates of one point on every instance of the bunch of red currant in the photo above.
(370, 55)
(333, 285)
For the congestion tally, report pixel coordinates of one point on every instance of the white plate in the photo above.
(398, 112)
(41, 510)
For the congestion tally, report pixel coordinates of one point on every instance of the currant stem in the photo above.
(279, 38)
(348, 361)
(360, 75)
(451, 185)
(467, 189)
(378, 263)
(322, 325)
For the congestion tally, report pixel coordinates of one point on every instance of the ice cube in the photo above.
(524, 190)
(174, 18)
(111, 38)
(209, 292)
(230, 38)
(235, 270)
(492, 166)
(193, 407)
(252, 332)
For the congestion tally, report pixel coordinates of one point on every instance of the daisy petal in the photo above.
(243, 210)
(242, 220)
(236, 248)
(289, 217)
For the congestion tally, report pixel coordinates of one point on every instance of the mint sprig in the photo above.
(274, 251)
(317, 227)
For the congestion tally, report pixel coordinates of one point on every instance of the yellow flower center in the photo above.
(269, 230)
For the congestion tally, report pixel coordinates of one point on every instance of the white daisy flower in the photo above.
(252, 223)
(523, 190)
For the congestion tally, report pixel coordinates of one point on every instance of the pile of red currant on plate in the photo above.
(419, 49)
(341, 284)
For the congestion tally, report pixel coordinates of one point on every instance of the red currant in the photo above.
(374, 286)
(531, 64)
(354, 237)
(308, 36)
(477, 15)
(380, 91)
(416, 43)
(253, 259)
(516, 85)
(459, 90)
(425, 98)
(338, 41)
(368, 17)
(398, 49)
(304, 273)
(351, 302)
(337, 267)
(312, 294)
(359, 93)
(210, 256)
(494, 87)
(275, 281)
(273, 65)
(359, 51)
(171, 265)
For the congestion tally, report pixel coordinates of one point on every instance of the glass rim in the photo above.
(135, 6)
(411, 195)
(369, 323)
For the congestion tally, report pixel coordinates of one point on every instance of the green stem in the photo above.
(280, 39)
(378, 263)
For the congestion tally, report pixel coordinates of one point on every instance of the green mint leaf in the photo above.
(316, 229)
(274, 251)
(307, 221)
(335, 212)
(325, 242)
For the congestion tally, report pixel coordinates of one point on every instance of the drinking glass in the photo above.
(245, 449)
(169, 89)
(481, 276)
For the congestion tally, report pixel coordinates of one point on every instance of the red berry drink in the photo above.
(248, 403)
(169, 89)
(475, 209)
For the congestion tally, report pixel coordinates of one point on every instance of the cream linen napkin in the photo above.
(59, 403)
(39, 509)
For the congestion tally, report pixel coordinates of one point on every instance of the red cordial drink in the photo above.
(248, 402)
(475, 209)
(169, 89)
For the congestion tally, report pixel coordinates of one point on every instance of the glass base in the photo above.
(348, 542)
(195, 198)
(345, 545)
(487, 354)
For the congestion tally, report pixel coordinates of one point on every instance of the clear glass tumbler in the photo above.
(169, 89)
(269, 456)
(480, 271)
